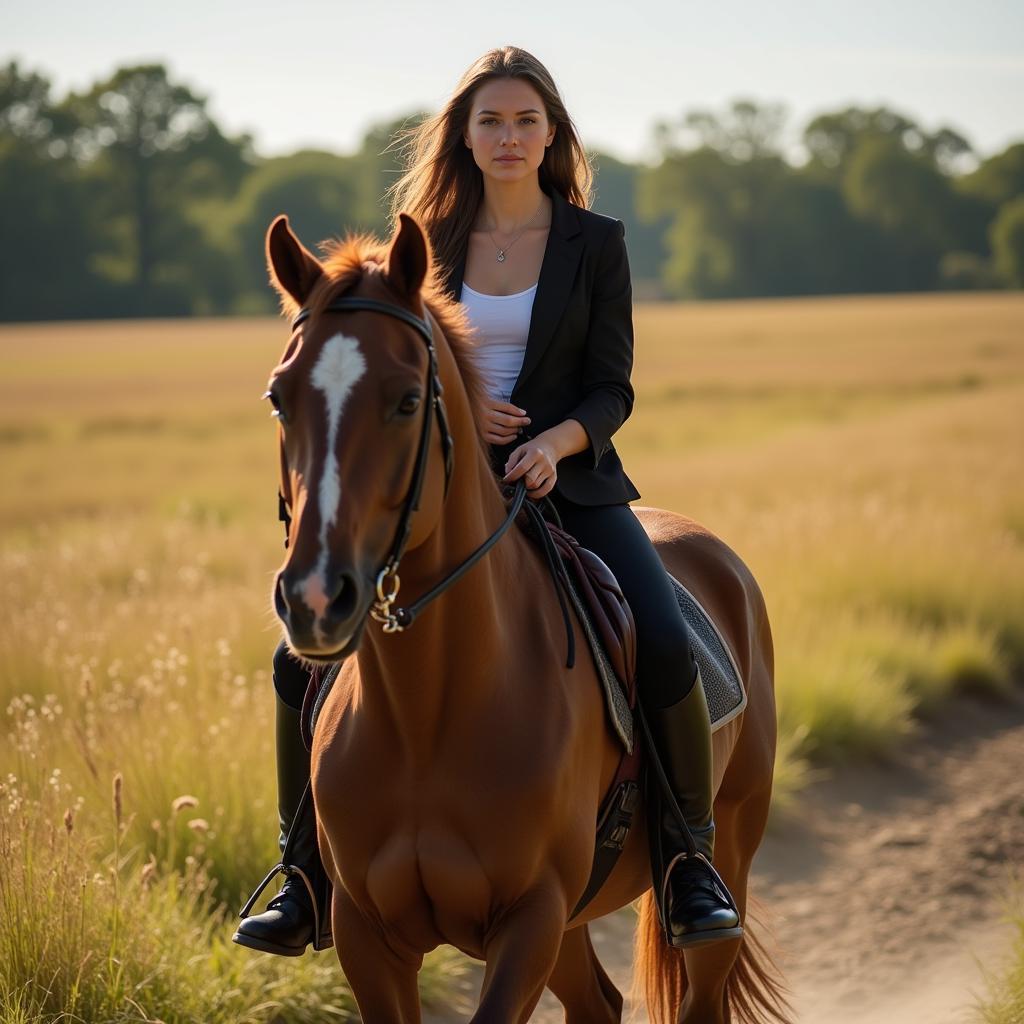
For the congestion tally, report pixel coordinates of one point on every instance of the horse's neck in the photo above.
(410, 677)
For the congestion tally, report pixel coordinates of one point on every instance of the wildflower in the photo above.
(181, 802)
(199, 825)
(117, 796)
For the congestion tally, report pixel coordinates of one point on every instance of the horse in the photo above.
(457, 766)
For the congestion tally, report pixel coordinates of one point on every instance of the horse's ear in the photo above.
(294, 270)
(408, 257)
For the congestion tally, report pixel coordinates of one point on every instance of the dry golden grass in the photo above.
(863, 455)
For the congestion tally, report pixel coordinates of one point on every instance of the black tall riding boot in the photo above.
(694, 904)
(300, 913)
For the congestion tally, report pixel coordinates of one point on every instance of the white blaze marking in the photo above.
(336, 372)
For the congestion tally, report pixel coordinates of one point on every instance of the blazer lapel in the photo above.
(562, 254)
(557, 273)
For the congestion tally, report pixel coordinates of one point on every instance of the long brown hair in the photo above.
(442, 185)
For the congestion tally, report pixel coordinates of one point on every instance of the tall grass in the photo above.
(97, 928)
(862, 455)
(1004, 1002)
(131, 654)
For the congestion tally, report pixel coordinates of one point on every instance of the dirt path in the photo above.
(893, 879)
(886, 889)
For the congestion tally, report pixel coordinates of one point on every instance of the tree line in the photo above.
(127, 199)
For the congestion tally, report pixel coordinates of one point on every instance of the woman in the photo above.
(500, 181)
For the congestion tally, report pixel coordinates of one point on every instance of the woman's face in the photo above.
(508, 129)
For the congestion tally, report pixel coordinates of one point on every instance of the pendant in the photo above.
(501, 255)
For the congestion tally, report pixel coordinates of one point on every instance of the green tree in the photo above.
(156, 149)
(746, 130)
(741, 220)
(999, 178)
(317, 192)
(831, 138)
(916, 208)
(377, 164)
(722, 233)
(983, 195)
(617, 185)
(712, 198)
(27, 114)
(48, 266)
(1007, 235)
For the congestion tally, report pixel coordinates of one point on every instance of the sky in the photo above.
(309, 73)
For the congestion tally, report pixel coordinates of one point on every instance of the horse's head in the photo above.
(363, 431)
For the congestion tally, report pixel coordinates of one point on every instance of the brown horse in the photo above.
(457, 765)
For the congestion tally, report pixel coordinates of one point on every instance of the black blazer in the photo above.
(579, 350)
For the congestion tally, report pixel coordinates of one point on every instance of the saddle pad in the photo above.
(723, 686)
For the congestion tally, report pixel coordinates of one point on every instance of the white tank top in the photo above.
(502, 325)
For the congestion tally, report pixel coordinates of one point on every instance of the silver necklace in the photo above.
(501, 251)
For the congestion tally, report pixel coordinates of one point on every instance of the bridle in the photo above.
(401, 618)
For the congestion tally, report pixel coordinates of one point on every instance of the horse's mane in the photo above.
(344, 265)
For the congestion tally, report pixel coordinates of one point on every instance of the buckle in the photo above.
(381, 608)
(617, 839)
(620, 817)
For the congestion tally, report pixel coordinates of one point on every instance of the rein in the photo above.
(402, 617)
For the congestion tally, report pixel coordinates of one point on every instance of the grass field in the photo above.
(865, 456)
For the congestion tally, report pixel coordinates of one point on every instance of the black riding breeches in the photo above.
(665, 669)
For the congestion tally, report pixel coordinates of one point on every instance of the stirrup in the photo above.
(289, 871)
(711, 934)
(723, 889)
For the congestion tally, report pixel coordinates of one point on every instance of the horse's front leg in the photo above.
(383, 981)
(521, 951)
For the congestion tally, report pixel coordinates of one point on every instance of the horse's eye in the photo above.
(410, 404)
(274, 401)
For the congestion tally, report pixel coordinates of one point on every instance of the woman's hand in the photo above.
(501, 421)
(536, 460)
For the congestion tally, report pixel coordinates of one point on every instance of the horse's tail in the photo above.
(659, 971)
(754, 989)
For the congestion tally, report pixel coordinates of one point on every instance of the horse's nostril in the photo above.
(280, 600)
(343, 604)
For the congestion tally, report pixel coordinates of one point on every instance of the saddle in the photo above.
(608, 624)
(605, 604)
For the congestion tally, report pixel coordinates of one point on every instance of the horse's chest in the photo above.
(430, 879)
(435, 873)
(434, 848)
